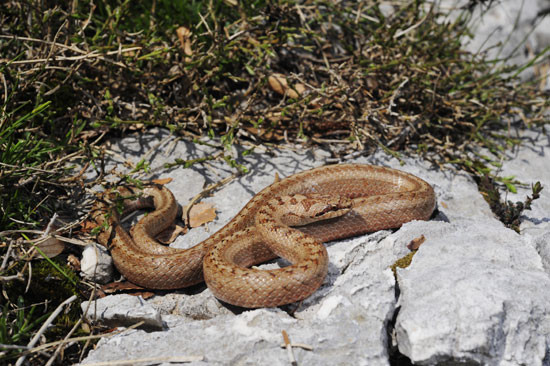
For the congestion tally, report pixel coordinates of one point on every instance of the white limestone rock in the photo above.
(202, 305)
(542, 245)
(123, 311)
(477, 294)
(511, 30)
(529, 164)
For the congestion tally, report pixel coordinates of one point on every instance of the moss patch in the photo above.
(403, 262)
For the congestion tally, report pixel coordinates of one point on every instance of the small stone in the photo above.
(96, 264)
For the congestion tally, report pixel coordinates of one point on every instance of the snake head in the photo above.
(302, 210)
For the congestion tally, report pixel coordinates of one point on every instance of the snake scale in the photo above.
(290, 218)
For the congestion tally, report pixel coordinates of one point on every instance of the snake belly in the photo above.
(380, 198)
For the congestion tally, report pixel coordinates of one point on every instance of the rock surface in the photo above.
(123, 310)
(515, 31)
(477, 294)
(473, 293)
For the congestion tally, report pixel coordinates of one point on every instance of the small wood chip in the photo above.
(48, 245)
(117, 286)
(416, 242)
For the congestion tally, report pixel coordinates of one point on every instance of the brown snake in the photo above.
(332, 202)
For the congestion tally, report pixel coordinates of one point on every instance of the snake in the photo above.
(290, 218)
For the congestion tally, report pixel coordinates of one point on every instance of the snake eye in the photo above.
(328, 208)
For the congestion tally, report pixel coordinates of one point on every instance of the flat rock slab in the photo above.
(475, 291)
(124, 310)
(475, 294)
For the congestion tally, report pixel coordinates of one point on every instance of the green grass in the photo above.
(26, 155)
(27, 308)
(17, 325)
(79, 73)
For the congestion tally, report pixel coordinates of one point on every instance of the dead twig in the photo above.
(288, 347)
(6, 256)
(182, 359)
(90, 55)
(307, 347)
(5, 279)
(60, 347)
(78, 339)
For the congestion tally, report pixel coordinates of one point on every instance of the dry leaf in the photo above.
(162, 181)
(52, 247)
(184, 36)
(169, 235)
(201, 213)
(127, 288)
(278, 83)
(443, 204)
(88, 226)
(120, 286)
(416, 243)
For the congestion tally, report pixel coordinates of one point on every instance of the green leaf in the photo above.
(511, 187)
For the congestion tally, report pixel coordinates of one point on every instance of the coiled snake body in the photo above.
(326, 203)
